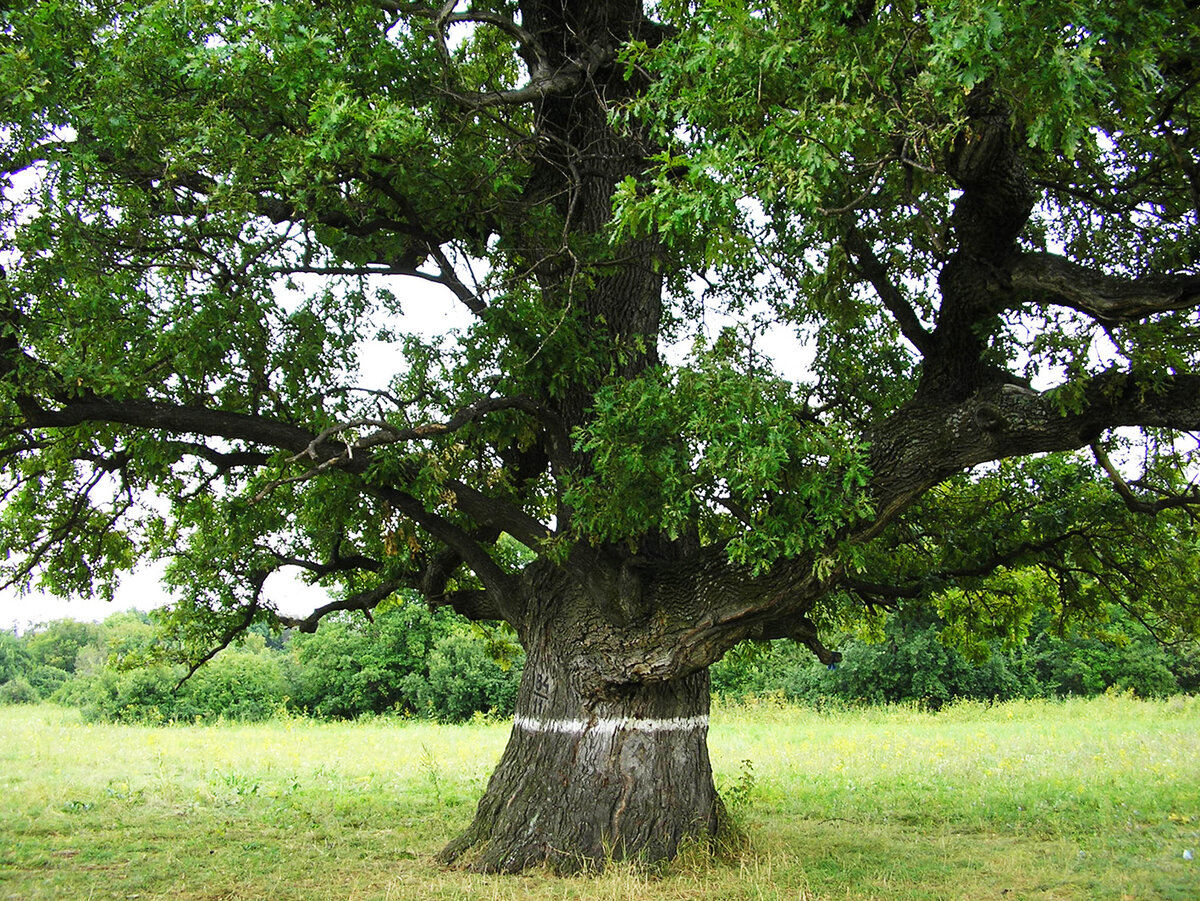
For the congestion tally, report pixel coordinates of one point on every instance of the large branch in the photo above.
(474, 412)
(178, 419)
(922, 445)
(469, 602)
(366, 601)
(498, 583)
(1189, 499)
(875, 272)
(475, 605)
(162, 181)
(925, 443)
(507, 517)
(997, 197)
(558, 84)
(322, 449)
(888, 594)
(1106, 298)
(693, 610)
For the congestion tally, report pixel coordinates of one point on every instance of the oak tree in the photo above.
(974, 219)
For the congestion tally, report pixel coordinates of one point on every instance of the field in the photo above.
(1079, 800)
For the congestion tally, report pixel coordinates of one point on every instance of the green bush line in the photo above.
(415, 662)
(914, 664)
(409, 660)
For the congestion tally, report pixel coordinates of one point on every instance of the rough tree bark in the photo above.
(608, 756)
(598, 766)
(590, 776)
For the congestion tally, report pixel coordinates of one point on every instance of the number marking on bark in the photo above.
(608, 726)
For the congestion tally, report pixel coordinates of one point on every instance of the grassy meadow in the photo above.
(1091, 800)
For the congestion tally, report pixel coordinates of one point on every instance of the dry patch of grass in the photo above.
(1080, 800)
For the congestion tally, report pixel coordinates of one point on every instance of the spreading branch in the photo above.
(327, 454)
(365, 601)
(1108, 299)
(560, 83)
(1138, 504)
(925, 443)
(177, 418)
(874, 271)
(232, 632)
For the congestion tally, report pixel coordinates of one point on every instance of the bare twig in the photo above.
(1132, 501)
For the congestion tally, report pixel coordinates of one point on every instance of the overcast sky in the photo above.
(140, 590)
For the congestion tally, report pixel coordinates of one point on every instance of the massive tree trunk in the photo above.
(608, 755)
(585, 780)
(602, 763)
(598, 766)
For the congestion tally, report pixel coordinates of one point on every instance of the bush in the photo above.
(757, 668)
(18, 691)
(464, 678)
(237, 684)
(142, 695)
(57, 644)
(1185, 667)
(1090, 666)
(46, 679)
(408, 659)
(913, 664)
(351, 666)
(14, 659)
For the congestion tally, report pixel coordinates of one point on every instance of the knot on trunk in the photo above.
(989, 418)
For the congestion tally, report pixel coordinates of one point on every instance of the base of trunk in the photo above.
(613, 780)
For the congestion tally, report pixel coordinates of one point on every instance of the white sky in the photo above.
(141, 590)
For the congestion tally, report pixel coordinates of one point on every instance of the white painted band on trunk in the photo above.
(610, 725)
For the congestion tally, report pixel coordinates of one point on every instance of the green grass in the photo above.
(1080, 800)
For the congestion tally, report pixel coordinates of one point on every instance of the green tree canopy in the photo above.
(977, 218)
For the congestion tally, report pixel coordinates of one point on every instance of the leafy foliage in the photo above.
(428, 665)
(59, 643)
(975, 220)
(14, 658)
(916, 660)
(408, 660)
(18, 691)
(672, 449)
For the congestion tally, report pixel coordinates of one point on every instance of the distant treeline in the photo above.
(913, 663)
(413, 661)
(407, 660)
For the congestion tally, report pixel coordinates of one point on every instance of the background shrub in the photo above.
(242, 683)
(411, 660)
(47, 679)
(14, 657)
(143, 695)
(18, 691)
(464, 678)
(913, 663)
